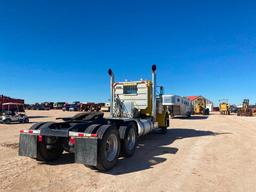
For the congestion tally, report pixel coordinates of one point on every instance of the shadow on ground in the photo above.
(66, 158)
(148, 152)
(194, 117)
(16, 123)
(32, 117)
(198, 117)
(150, 147)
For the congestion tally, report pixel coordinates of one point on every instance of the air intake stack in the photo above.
(112, 81)
(154, 92)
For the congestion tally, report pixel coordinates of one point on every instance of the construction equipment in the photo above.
(135, 110)
(200, 106)
(245, 110)
(224, 107)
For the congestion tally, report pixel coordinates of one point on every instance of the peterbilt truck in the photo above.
(135, 110)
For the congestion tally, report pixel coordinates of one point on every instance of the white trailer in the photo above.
(178, 106)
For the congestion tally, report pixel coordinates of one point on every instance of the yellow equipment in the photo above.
(224, 107)
(200, 106)
(245, 110)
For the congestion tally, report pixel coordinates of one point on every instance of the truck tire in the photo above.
(109, 149)
(91, 128)
(164, 130)
(48, 155)
(129, 142)
(7, 121)
(37, 126)
(188, 115)
(206, 112)
(26, 120)
(167, 124)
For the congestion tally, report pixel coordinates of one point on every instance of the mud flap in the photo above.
(28, 145)
(86, 150)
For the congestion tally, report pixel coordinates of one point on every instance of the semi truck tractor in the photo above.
(135, 110)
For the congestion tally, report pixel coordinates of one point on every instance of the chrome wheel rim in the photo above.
(131, 139)
(111, 148)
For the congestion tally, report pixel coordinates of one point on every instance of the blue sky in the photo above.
(60, 50)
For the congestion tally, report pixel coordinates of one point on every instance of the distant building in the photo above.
(209, 104)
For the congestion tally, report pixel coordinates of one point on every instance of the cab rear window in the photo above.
(130, 89)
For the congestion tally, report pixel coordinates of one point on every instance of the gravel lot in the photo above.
(215, 153)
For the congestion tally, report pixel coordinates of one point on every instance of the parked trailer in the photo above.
(5, 99)
(97, 141)
(178, 106)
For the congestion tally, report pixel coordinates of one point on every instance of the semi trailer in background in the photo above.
(178, 106)
(6, 99)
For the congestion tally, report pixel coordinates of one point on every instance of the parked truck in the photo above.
(135, 110)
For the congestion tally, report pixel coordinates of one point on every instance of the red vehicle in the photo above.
(5, 99)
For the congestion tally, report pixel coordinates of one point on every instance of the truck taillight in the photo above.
(40, 138)
(72, 140)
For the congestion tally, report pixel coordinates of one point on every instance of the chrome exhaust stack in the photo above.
(154, 92)
(112, 81)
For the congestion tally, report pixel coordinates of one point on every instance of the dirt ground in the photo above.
(217, 153)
